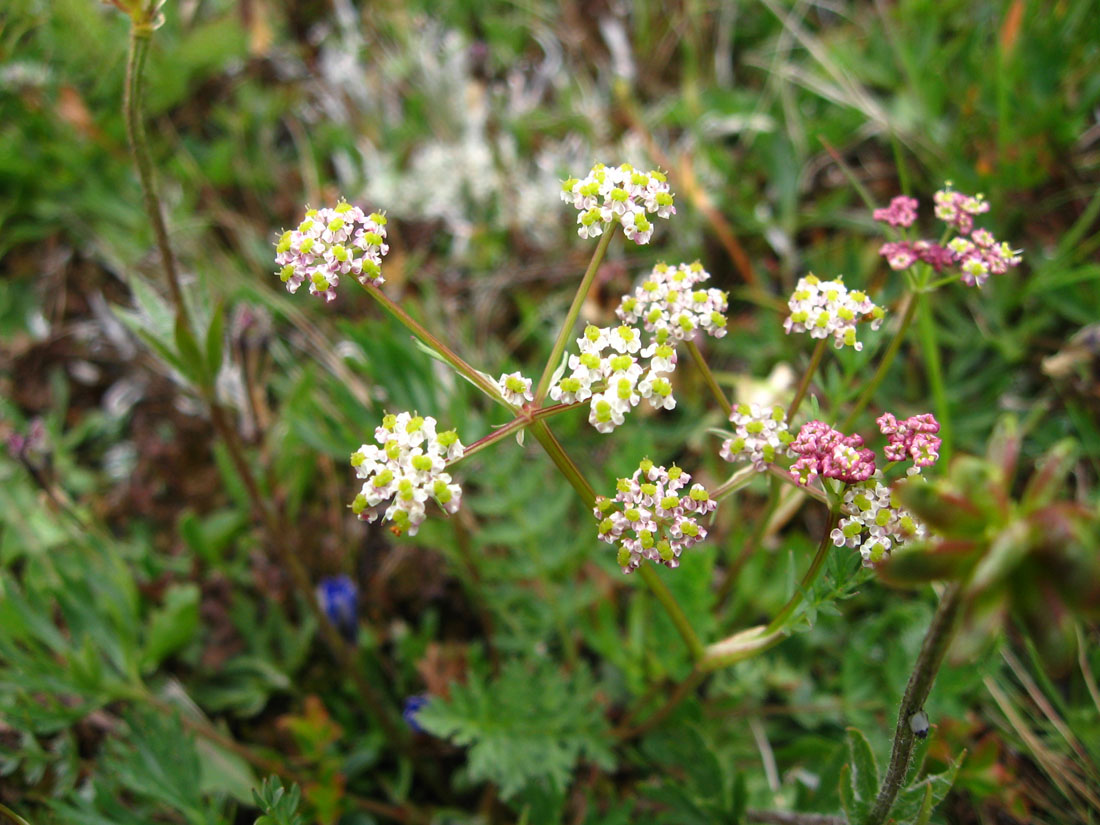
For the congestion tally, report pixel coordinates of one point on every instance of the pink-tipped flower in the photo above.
(912, 439)
(329, 243)
(902, 211)
(651, 517)
(829, 453)
(620, 194)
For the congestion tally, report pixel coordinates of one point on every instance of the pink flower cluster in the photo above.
(980, 256)
(830, 454)
(975, 252)
(903, 254)
(902, 211)
(914, 438)
(649, 518)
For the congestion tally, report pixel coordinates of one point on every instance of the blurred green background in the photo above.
(459, 120)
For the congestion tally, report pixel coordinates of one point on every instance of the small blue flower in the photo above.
(339, 599)
(413, 705)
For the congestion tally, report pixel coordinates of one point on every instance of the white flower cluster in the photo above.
(825, 308)
(407, 464)
(608, 374)
(761, 434)
(329, 243)
(622, 193)
(875, 522)
(515, 388)
(669, 299)
(650, 519)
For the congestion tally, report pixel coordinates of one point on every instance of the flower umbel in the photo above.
(761, 434)
(650, 518)
(829, 453)
(912, 439)
(824, 308)
(407, 464)
(974, 252)
(670, 299)
(331, 242)
(875, 522)
(621, 193)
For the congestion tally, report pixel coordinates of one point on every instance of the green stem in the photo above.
(804, 384)
(926, 327)
(672, 608)
(709, 378)
(755, 640)
(679, 693)
(477, 378)
(932, 652)
(139, 147)
(750, 544)
(885, 363)
(735, 482)
(9, 814)
(571, 316)
(809, 578)
(564, 463)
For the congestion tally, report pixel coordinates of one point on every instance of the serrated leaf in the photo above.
(912, 801)
(532, 723)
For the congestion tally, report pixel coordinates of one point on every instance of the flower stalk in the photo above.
(571, 316)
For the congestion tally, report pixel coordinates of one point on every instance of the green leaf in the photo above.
(863, 773)
(215, 341)
(915, 803)
(532, 723)
(191, 359)
(172, 625)
(847, 793)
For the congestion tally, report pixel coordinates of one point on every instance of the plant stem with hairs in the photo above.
(936, 641)
(140, 36)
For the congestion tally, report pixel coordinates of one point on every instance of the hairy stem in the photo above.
(709, 378)
(139, 147)
(936, 642)
(807, 376)
(135, 65)
(571, 316)
(883, 365)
